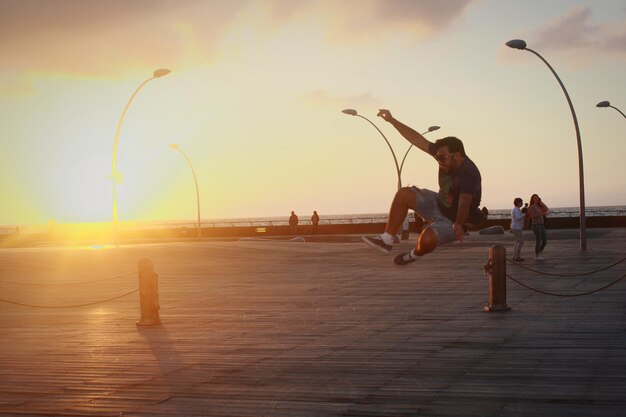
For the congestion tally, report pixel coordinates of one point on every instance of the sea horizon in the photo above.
(557, 212)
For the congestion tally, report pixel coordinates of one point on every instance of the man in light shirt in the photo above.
(517, 226)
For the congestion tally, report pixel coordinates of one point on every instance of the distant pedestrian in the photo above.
(293, 224)
(537, 212)
(517, 227)
(315, 220)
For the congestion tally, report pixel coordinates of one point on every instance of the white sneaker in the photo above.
(539, 258)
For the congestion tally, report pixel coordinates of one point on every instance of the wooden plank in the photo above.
(313, 329)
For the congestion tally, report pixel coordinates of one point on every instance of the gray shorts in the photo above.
(426, 207)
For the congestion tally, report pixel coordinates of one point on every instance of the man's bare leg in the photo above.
(426, 243)
(402, 202)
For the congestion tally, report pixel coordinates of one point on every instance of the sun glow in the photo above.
(98, 232)
(255, 98)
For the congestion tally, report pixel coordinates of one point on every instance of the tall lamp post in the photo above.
(521, 45)
(352, 112)
(195, 180)
(116, 176)
(405, 224)
(608, 104)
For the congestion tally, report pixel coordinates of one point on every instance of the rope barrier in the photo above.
(70, 306)
(495, 269)
(565, 275)
(49, 284)
(148, 294)
(566, 295)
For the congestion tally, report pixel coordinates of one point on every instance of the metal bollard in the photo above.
(496, 268)
(148, 294)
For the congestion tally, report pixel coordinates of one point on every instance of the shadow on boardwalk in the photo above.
(312, 329)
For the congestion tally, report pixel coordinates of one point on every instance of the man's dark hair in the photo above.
(454, 144)
(517, 200)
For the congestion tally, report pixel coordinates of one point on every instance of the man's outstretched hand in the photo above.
(385, 114)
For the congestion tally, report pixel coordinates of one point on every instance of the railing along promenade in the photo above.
(334, 224)
(330, 225)
(337, 220)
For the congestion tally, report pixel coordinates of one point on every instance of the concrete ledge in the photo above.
(492, 230)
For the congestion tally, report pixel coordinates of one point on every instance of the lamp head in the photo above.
(351, 112)
(433, 128)
(174, 146)
(516, 44)
(161, 72)
(603, 104)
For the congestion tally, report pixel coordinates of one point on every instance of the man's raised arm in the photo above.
(409, 134)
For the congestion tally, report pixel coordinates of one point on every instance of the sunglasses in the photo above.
(442, 158)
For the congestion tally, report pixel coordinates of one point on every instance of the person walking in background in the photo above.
(537, 212)
(315, 220)
(293, 224)
(517, 227)
(448, 211)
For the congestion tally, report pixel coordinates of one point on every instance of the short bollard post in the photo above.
(496, 268)
(148, 294)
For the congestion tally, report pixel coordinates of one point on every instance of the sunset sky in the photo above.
(256, 93)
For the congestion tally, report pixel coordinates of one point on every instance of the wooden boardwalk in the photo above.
(312, 329)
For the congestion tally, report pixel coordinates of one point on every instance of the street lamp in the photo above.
(176, 147)
(405, 224)
(608, 104)
(353, 112)
(116, 176)
(520, 44)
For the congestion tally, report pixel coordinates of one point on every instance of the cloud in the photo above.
(364, 20)
(575, 32)
(110, 38)
(434, 15)
(96, 38)
(358, 101)
(353, 20)
(16, 86)
(615, 39)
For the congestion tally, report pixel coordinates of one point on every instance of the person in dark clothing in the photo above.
(315, 220)
(293, 224)
(448, 211)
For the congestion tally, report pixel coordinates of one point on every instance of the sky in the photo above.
(255, 96)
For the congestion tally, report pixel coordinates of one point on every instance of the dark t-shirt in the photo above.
(465, 179)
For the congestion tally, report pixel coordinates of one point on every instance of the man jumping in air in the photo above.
(446, 212)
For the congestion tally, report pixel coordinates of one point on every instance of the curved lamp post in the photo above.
(176, 147)
(430, 129)
(353, 112)
(608, 104)
(116, 176)
(520, 44)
